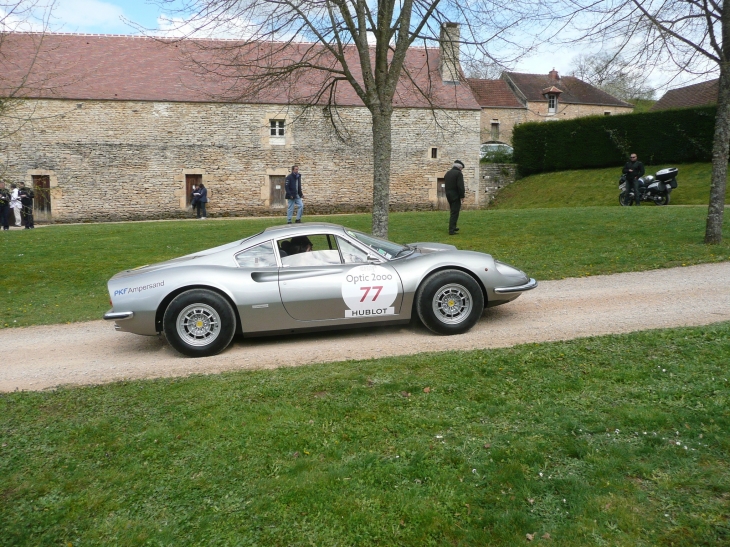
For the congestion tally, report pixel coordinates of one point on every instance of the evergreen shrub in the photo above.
(671, 136)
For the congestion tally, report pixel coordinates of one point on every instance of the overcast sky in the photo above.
(108, 17)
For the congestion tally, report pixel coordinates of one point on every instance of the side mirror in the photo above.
(373, 259)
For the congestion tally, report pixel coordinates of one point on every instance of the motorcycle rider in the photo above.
(634, 170)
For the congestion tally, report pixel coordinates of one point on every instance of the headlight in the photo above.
(507, 270)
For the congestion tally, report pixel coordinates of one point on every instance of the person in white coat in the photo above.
(15, 204)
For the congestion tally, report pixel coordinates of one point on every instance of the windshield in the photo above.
(386, 249)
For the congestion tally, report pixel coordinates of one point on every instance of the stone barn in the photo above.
(113, 128)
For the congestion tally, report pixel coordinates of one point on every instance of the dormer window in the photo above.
(552, 104)
(551, 94)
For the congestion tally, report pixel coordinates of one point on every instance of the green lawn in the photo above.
(58, 273)
(617, 440)
(598, 187)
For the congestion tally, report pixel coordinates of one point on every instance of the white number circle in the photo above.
(369, 288)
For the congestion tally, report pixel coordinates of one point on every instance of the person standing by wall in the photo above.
(294, 196)
(26, 196)
(634, 170)
(4, 206)
(202, 200)
(454, 190)
(15, 204)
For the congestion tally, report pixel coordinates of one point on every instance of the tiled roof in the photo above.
(574, 91)
(105, 67)
(494, 94)
(701, 94)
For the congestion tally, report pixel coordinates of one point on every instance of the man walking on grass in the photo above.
(454, 190)
(294, 196)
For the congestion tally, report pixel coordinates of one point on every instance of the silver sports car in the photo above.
(308, 276)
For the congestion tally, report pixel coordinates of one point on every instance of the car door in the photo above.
(256, 290)
(318, 285)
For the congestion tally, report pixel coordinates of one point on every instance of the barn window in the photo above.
(434, 153)
(495, 131)
(276, 132)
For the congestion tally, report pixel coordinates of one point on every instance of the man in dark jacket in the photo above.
(454, 189)
(26, 196)
(294, 196)
(4, 206)
(634, 170)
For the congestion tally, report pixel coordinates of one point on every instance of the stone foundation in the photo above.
(493, 177)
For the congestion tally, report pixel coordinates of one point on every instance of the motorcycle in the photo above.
(651, 188)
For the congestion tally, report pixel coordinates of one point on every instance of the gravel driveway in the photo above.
(93, 353)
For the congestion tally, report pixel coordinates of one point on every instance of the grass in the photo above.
(617, 440)
(598, 187)
(58, 274)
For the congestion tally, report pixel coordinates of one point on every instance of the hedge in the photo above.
(671, 136)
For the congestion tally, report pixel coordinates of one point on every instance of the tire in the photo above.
(199, 323)
(662, 199)
(449, 302)
(622, 199)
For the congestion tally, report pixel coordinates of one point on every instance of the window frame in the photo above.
(277, 258)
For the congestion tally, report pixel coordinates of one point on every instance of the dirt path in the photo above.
(93, 353)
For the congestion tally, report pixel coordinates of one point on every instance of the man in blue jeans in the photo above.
(293, 188)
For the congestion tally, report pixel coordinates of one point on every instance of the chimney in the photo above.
(449, 52)
(553, 74)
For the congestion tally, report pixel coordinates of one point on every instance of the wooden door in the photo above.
(42, 200)
(277, 196)
(443, 204)
(190, 181)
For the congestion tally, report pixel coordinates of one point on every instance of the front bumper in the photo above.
(118, 315)
(531, 284)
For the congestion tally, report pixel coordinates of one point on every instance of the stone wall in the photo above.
(123, 160)
(493, 177)
(508, 118)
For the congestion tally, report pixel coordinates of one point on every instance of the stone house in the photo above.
(702, 94)
(121, 127)
(517, 98)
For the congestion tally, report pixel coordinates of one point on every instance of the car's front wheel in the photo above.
(449, 302)
(199, 323)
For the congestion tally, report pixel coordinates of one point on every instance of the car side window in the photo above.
(350, 253)
(260, 256)
(312, 250)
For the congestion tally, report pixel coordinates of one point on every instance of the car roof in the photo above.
(305, 227)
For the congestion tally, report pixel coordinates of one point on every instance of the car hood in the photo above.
(430, 247)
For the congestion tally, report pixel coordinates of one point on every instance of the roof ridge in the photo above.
(185, 38)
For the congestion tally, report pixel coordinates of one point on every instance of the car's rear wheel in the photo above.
(199, 323)
(449, 302)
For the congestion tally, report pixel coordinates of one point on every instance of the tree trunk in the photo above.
(720, 146)
(381, 169)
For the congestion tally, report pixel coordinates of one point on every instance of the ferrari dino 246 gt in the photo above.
(308, 276)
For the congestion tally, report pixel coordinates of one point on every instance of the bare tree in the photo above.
(482, 68)
(18, 81)
(357, 43)
(693, 36)
(614, 74)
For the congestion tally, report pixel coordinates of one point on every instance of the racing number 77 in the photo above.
(367, 290)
